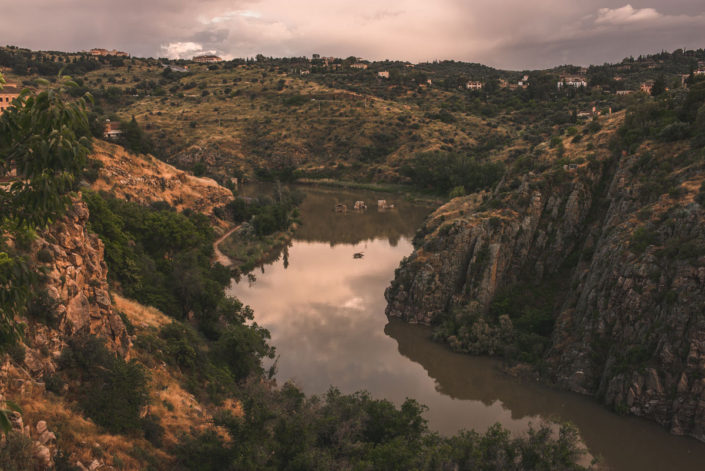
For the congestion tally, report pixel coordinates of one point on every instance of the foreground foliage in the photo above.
(282, 429)
(44, 139)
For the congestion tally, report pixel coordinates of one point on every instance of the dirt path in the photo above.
(220, 256)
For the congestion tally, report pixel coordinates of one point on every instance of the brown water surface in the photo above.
(325, 310)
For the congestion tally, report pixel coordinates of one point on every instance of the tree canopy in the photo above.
(45, 139)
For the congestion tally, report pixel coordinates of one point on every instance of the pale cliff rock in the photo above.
(75, 292)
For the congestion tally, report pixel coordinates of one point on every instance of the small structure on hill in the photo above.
(383, 204)
(575, 82)
(341, 208)
(647, 86)
(112, 130)
(207, 58)
(175, 68)
(7, 94)
(473, 85)
(97, 51)
(360, 206)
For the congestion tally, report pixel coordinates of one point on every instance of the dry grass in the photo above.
(139, 315)
(79, 437)
(145, 179)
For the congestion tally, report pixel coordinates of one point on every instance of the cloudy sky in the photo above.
(514, 34)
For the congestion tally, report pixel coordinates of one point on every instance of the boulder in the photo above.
(41, 426)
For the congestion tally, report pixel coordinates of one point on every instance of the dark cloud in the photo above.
(510, 34)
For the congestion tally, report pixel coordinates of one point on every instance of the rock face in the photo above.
(77, 296)
(629, 328)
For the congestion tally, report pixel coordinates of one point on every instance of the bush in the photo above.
(42, 307)
(675, 132)
(17, 453)
(153, 431)
(283, 429)
(442, 171)
(241, 349)
(642, 238)
(45, 255)
(113, 391)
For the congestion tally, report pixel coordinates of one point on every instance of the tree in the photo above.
(46, 140)
(659, 87)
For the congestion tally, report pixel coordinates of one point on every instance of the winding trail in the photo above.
(219, 256)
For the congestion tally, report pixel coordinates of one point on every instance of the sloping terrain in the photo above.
(144, 179)
(591, 268)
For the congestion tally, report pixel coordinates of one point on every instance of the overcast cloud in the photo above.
(514, 34)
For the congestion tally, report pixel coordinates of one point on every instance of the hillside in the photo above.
(105, 382)
(144, 179)
(591, 272)
(296, 117)
(572, 246)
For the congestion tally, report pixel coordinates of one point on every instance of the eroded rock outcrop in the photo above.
(629, 325)
(75, 296)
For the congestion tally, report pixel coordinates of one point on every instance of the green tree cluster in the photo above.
(284, 430)
(44, 139)
(441, 172)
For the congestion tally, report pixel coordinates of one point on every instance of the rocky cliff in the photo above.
(75, 297)
(72, 299)
(620, 240)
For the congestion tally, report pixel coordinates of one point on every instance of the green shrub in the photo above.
(443, 171)
(17, 453)
(641, 239)
(283, 429)
(45, 255)
(153, 431)
(113, 391)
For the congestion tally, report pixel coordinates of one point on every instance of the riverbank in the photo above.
(245, 251)
(410, 194)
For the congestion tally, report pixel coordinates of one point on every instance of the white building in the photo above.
(575, 82)
(472, 85)
(383, 74)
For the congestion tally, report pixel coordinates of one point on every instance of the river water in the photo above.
(325, 311)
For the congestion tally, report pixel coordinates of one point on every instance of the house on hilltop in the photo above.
(383, 74)
(575, 82)
(358, 65)
(7, 94)
(112, 130)
(104, 52)
(206, 58)
(473, 85)
(647, 86)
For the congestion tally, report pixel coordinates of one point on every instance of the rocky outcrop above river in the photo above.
(625, 243)
(75, 297)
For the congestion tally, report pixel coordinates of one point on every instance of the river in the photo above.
(325, 311)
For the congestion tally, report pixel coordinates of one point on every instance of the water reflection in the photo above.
(323, 224)
(325, 310)
(624, 443)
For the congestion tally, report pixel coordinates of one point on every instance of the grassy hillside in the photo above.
(264, 119)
